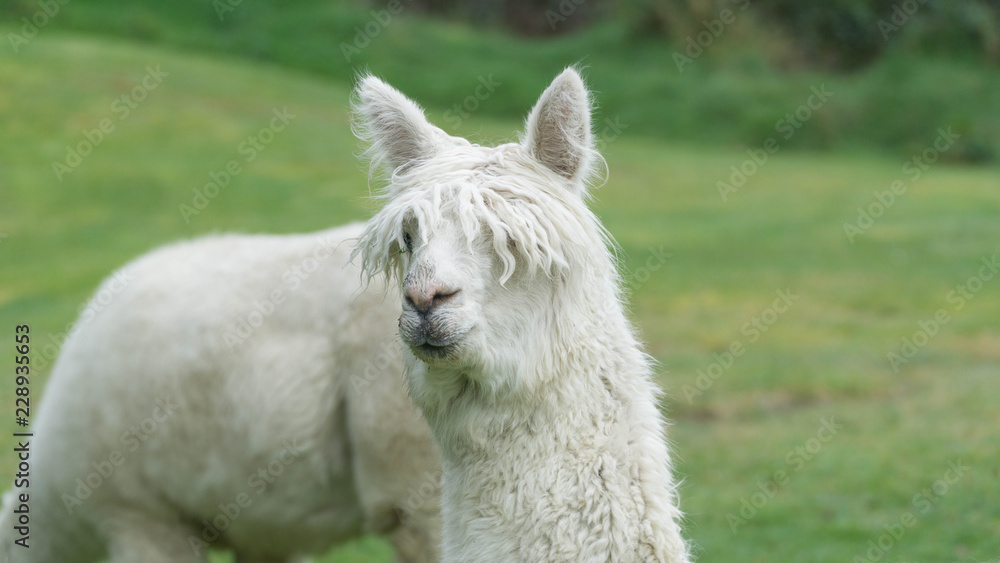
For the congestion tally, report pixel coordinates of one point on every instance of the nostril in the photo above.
(444, 296)
(423, 300)
(418, 300)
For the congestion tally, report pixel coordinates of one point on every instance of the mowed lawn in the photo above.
(797, 436)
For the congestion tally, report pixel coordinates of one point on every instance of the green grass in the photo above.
(729, 95)
(823, 358)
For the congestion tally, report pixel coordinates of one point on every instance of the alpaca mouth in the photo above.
(429, 349)
(434, 351)
(431, 340)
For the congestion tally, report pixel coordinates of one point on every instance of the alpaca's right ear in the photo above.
(393, 125)
(558, 129)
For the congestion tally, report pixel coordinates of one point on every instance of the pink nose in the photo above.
(423, 298)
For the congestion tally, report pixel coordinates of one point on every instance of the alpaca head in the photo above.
(482, 240)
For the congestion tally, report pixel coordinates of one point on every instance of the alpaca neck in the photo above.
(590, 378)
(583, 445)
(578, 440)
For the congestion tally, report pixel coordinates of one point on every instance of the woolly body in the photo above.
(230, 368)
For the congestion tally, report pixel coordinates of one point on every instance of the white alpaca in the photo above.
(518, 351)
(237, 392)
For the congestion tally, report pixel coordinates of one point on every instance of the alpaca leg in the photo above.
(140, 538)
(396, 464)
(418, 538)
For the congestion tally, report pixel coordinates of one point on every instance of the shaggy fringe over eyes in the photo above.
(529, 214)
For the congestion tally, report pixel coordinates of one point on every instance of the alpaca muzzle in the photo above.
(433, 334)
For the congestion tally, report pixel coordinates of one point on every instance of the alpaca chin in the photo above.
(434, 354)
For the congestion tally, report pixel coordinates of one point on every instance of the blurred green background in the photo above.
(753, 148)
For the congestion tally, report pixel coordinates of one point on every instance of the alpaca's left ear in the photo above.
(558, 133)
(393, 125)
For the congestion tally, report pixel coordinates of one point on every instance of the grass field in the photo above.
(730, 94)
(804, 447)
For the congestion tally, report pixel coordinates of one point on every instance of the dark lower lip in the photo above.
(431, 351)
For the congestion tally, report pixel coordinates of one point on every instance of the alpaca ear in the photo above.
(557, 133)
(393, 126)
